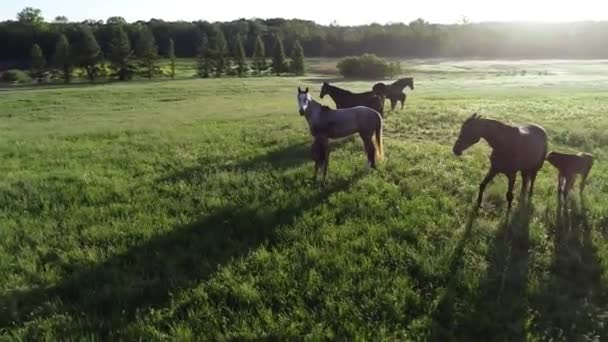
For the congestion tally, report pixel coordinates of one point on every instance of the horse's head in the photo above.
(324, 89)
(303, 100)
(379, 88)
(470, 133)
(410, 82)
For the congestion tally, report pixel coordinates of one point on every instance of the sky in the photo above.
(321, 11)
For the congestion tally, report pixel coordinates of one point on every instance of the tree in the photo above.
(61, 19)
(203, 61)
(120, 54)
(279, 64)
(171, 55)
(239, 56)
(30, 15)
(37, 63)
(88, 52)
(116, 21)
(220, 52)
(259, 56)
(62, 58)
(297, 59)
(147, 51)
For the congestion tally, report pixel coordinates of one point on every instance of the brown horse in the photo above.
(514, 149)
(569, 165)
(341, 123)
(394, 92)
(347, 99)
(320, 152)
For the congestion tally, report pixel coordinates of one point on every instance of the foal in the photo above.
(569, 165)
(320, 152)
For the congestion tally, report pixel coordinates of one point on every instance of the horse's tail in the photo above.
(379, 143)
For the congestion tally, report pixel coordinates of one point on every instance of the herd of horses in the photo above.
(515, 149)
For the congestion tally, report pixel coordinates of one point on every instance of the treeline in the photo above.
(120, 50)
(416, 39)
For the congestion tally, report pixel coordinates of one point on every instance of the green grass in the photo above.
(185, 210)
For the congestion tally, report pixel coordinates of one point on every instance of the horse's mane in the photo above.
(325, 109)
(402, 83)
(339, 90)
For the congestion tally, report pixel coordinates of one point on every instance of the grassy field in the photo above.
(185, 210)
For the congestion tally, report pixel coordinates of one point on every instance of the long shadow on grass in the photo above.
(572, 305)
(280, 159)
(104, 298)
(498, 308)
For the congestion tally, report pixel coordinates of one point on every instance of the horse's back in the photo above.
(348, 121)
(533, 146)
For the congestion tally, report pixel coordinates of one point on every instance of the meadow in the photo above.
(185, 210)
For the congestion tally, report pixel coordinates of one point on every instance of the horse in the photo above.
(347, 99)
(570, 165)
(320, 152)
(394, 91)
(340, 123)
(514, 149)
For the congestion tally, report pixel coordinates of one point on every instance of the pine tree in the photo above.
(220, 51)
(147, 52)
(297, 59)
(120, 54)
(259, 56)
(239, 57)
(279, 65)
(171, 55)
(203, 60)
(62, 59)
(37, 63)
(88, 52)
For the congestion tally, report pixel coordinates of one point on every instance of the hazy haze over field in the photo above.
(321, 11)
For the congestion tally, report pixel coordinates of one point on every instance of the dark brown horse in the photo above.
(514, 149)
(394, 92)
(347, 99)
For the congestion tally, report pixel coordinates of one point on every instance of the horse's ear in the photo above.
(306, 91)
(299, 90)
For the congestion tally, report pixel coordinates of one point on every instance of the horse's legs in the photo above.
(370, 150)
(525, 179)
(560, 182)
(326, 163)
(570, 178)
(491, 174)
(511, 177)
(393, 104)
(532, 180)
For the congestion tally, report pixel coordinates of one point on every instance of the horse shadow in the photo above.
(497, 309)
(280, 159)
(106, 297)
(573, 303)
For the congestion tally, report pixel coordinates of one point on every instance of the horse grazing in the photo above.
(394, 92)
(339, 123)
(514, 149)
(569, 165)
(347, 99)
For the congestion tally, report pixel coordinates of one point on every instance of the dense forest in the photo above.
(416, 39)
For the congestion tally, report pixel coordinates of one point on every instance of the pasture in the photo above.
(185, 210)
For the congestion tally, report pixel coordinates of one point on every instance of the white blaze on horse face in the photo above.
(303, 99)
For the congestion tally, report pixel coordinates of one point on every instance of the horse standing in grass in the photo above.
(514, 149)
(394, 92)
(347, 99)
(341, 123)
